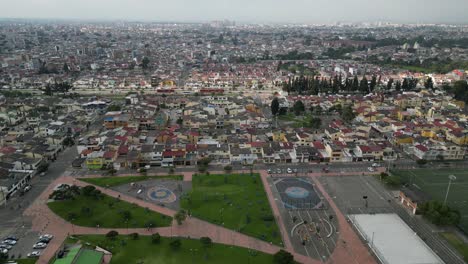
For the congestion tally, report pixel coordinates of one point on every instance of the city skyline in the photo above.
(258, 11)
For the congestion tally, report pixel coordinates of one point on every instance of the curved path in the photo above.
(45, 221)
(349, 250)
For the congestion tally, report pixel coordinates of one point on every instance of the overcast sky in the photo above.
(291, 11)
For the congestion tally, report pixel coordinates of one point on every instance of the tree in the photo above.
(206, 242)
(88, 190)
(134, 236)
(373, 83)
(228, 168)
(126, 215)
(398, 86)
(275, 106)
(439, 214)
(114, 107)
(180, 121)
(180, 216)
(389, 84)
(112, 235)
(155, 238)
(315, 122)
(68, 141)
(429, 84)
(298, 107)
(460, 90)
(364, 85)
(145, 63)
(421, 162)
(348, 114)
(175, 244)
(283, 257)
(405, 85)
(43, 167)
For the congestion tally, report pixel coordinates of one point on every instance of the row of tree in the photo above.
(315, 85)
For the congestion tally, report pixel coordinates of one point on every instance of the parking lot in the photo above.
(24, 244)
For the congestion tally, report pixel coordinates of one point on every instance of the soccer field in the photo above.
(435, 182)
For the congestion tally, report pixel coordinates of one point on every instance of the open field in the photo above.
(125, 250)
(107, 212)
(236, 201)
(116, 181)
(457, 243)
(435, 182)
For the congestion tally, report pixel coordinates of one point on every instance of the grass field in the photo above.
(435, 182)
(236, 201)
(26, 261)
(115, 181)
(107, 212)
(124, 251)
(457, 243)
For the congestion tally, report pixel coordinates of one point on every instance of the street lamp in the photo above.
(451, 178)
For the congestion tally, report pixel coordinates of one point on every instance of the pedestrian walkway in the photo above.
(350, 248)
(45, 221)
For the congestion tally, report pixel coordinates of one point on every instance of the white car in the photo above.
(4, 250)
(40, 245)
(5, 246)
(9, 242)
(34, 254)
(48, 236)
(289, 170)
(370, 169)
(375, 164)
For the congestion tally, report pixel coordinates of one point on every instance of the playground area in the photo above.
(311, 225)
(298, 193)
(163, 192)
(434, 182)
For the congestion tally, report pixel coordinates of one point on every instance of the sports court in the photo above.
(311, 225)
(435, 182)
(392, 240)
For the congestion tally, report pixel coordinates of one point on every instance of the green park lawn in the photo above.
(236, 201)
(457, 243)
(125, 250)
(115, 181)
(26, 261)
(435, 182)
(107, 212)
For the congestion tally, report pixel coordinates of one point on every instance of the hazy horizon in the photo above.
(253, 11)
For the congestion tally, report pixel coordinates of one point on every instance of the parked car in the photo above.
(269, 171)
(34, 254)
(11, 237)
(5, 246)
(27, 188)
(370, 169)
(10, 242)
(39, 245)
(289, 170)
(295, 170)
(4, 250)
(44, 240)
(375, 164)
(278, 170)
(49, 236)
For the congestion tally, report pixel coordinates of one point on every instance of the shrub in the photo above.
(175, 244)
(134, 236)
(283, 257)
(112, 235)
(155, 238)
(206, 241)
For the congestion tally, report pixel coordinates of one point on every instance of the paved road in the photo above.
(12, 220)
